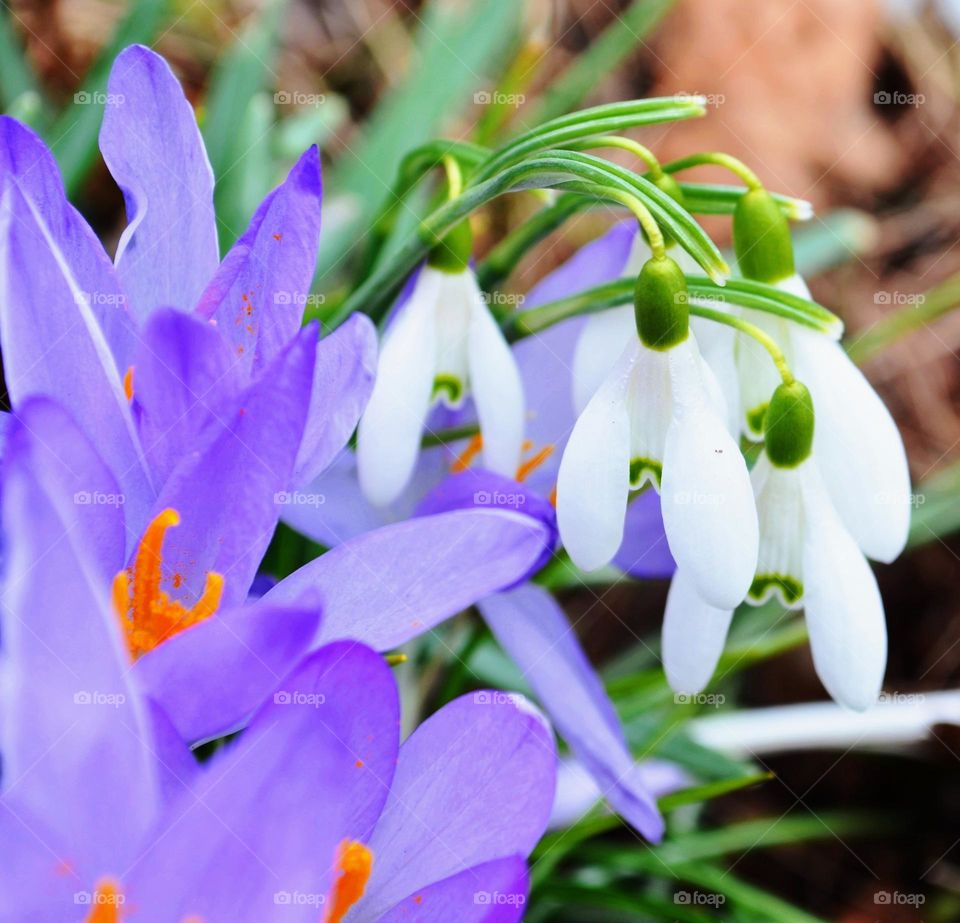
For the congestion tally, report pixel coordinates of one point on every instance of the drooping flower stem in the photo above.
(720, 159)
(766, 341)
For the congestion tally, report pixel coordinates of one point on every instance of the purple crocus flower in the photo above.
(315, 812)
(200, 405)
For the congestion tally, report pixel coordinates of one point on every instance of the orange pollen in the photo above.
(354, 864)
(147, 614)
(128, 383)
(553, 496)
(534, 462)
(466, 457)
(106, 903)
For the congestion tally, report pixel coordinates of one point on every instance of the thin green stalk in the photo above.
(751, 330)
(720, 159)
(624, 144)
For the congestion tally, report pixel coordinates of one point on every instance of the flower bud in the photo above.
(761, 238)
(660, 304)
(452, 252)
(788, 425)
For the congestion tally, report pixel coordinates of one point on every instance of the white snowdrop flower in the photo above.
(807, 558)
(442, 346)
(658, 417)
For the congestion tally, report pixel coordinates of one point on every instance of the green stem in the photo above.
(451, 435)
(640, 211)
(720, 159)
(623, 144)
(738, 323)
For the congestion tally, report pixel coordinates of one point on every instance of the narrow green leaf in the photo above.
(710, 790)
(16, 73)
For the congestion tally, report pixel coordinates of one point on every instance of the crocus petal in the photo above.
(268, 815)
(645, 552)
(229, 494)
(477, 488)
(258, 294)
(533, 630)
(601, 341)
(496, 387)
(474, 783)
(708, 507)
(25, 158)
(395, 583)
(388, 439)
(844, 611)
(186, 382)
(152, 147)
(858, 448)
(342, 383)
(54, 345)
(72, 724)
(211, 677)
(594, 477)
(493, 892)
(694, 633)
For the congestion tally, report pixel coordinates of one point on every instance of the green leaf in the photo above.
(716, 199)
(16, 73)
(936, 507)
(706, 792)
(73, 136)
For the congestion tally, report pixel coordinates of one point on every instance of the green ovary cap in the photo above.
(761, 238)
(661, 305)
(788, 425)
(452, 253)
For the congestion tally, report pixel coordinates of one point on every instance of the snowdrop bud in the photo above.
(761, 238)
(452, 253)
(788, 425)
(661, 305)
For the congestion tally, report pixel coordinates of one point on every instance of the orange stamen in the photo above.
(148, 615)
(466, 457)
(106, 903)
(534, 462)
(354, 864)
(553, 496)
(128, 383)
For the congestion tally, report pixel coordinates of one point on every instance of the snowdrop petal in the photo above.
(388, 439)
(650, 400)
(600, 343)
(694, 633)
(844, 611)
(858, 448)
(594, 477)
(708, 508)
(496, 386)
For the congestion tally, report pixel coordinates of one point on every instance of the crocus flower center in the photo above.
(526, 467)
(148, 615)
(105, 903)
(354, 864)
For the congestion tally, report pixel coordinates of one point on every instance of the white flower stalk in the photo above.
(807, 558)
(443, 345)
(658, 418)
(857, 445)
